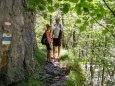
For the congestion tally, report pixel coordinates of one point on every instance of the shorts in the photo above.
(56, 42)
(48, 46)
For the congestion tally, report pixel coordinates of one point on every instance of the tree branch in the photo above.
(109, 8)
(98, 22)
(102, 26)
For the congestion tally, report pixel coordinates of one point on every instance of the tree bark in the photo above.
(20, 57)
(74, 39)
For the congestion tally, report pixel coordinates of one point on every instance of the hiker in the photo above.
(48, 41)
(57, 36)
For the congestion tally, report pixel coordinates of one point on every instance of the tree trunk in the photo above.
(19, 56)
(74, 39)
(103, 72)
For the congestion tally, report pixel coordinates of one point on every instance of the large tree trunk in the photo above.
(19, 57)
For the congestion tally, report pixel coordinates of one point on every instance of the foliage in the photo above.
(77, 75)
(40, 55)
(88, 30)
(87, 10)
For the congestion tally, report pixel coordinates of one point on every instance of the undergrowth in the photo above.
(77, 75)
(40, 55)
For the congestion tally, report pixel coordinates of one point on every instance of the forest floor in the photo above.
(67, 72)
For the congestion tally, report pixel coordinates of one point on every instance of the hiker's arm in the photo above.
(47, 37)
(61, 34)
(52, 33)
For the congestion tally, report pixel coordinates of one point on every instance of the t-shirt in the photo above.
(56, 30)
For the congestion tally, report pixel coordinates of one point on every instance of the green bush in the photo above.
(77, 75)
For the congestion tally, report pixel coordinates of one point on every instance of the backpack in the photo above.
(44, 39)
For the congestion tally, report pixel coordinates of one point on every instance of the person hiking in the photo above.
(46, 40)
(57, 36)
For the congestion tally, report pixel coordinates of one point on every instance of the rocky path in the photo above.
(54, 74)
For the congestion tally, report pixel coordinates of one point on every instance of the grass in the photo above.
(40, 56)
(77, 75)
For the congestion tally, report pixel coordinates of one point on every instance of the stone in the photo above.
(23, 43)
(54, 75)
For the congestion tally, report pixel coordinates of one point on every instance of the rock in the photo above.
(20, 63)
(54, 75)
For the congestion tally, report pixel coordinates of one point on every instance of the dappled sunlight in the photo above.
(32, 32)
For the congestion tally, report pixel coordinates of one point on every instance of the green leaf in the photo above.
(91, 21)
(96, 11)
(84, 18)
(90, 0)
(85, 4)
(41, 8)
(102, 9)
(42, 2)
(66, 7)
(76, 7)
(51, 9)
(86, 23)
(78, 10)
(33, 2)
(104, 31)
(99, 16)
(111, 31)
(92, 14)
(74, 1)
(85, 9)
(78, 21)
(49, 1)
(56, 5)
(82, 28)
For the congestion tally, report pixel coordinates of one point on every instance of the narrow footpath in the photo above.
(55, 73)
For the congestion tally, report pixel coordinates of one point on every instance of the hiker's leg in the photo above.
(59, 48)
(48, 55)
(54, 51)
